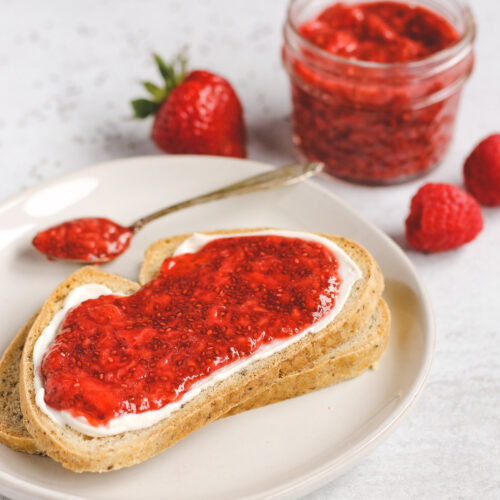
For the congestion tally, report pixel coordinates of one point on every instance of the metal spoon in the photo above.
(100, 240)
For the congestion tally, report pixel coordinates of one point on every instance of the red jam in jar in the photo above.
(376, 85)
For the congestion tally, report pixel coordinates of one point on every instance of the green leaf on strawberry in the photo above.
(166, 70)
(157, 93)
(172, 74)
(144, 107)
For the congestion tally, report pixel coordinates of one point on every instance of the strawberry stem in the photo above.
(173, 74)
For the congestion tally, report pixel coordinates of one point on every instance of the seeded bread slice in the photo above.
(13, 432)
(358, 308)
(82, 453)
(341, 363)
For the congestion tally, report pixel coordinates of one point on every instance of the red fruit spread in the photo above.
(117, 355)
(90, 240)
(366, 123)
(384, 32)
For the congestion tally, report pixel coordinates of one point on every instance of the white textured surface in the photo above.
(67, 72)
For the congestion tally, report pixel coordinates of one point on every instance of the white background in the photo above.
(67, 72)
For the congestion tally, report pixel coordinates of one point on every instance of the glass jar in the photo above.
(370, 122)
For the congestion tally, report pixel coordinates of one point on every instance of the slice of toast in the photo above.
(83, 453)
(359, 307)
(13, 432)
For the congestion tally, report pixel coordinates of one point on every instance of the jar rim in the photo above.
(462, 43)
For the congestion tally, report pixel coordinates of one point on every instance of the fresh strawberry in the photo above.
(195, 113)
(482, 171)
(442, 217)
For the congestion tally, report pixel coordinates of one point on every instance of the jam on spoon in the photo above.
(86, 240)
(96, 240)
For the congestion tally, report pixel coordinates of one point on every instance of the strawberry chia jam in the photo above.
(118, 355)
(92, 240)
(376, 85)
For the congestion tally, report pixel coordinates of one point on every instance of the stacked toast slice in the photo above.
(351, 343)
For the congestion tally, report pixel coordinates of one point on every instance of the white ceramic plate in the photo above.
(280, 451)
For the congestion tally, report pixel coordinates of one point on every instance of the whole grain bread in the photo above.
(83, 453)
(13, 432)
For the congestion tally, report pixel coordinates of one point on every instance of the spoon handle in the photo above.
(284, 176)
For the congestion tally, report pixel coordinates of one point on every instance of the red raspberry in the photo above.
(442, 217)
(482, 171)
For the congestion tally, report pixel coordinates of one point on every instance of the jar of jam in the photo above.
(376, 85)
